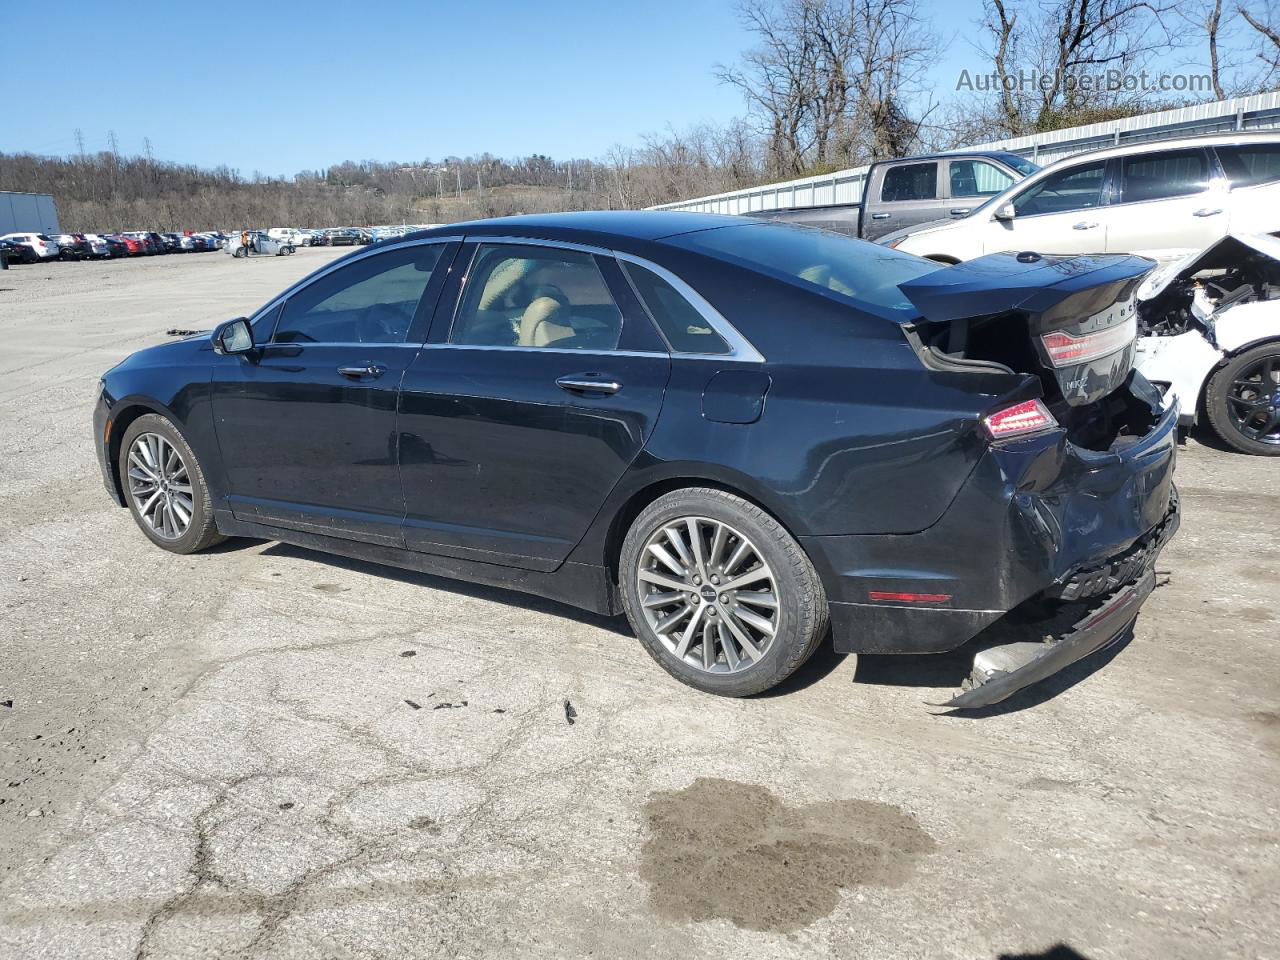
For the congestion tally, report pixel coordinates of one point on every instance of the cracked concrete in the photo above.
(226, 764)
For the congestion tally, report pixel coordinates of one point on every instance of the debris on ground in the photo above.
(569, 712)
(409, 653)
(416, 706)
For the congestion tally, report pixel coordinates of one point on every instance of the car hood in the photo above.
(927, 227)
(1222, 252)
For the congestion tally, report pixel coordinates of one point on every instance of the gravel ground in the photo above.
(262, 751)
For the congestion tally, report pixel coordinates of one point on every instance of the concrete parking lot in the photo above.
(263, 751)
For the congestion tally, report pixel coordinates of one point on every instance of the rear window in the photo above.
(1157, 176)
(911, 181)
(850, 271)
(1251, 164)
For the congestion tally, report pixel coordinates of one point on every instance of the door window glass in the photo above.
(686, 330)
(372, 300)
(1078, 188)
(519, 296)
(1251, 164)
(977, 178)
(1155, 176)
(911, 181)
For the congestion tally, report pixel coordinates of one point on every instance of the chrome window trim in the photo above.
(740, 348)
(538, 242)
(513, 348)
(324, 271)
(341, 343)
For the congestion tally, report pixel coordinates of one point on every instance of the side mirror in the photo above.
(1005, 212)
(234, 336)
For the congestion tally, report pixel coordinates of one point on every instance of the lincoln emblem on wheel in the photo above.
(751, 438)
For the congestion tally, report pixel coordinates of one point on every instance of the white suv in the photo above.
(1164, 199)
(46, 248)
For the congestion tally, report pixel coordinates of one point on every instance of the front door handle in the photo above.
(960, 211)
(1085, 225)
(1207, 212)
(366, 371)
(881, 216)
(588, 383)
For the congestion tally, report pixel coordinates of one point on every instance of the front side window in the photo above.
(1078, 188)
(532, 296)
(1251, 164)
(372, 300)
(1157, 176)
(977, 178)
(910, 181)
(683, 325)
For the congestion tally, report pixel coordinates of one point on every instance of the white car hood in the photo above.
(1181, 269)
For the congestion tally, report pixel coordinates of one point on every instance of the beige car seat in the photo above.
(540, 326)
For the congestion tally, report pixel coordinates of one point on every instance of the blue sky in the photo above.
(282, 87)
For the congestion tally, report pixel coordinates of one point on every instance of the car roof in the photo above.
(957, 155)
(586, 226)
(1239, 137)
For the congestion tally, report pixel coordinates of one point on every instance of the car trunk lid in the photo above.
(1068, 320)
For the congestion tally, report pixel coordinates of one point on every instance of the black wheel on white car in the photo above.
(165, 487)
(720, 594)
(1242, 401)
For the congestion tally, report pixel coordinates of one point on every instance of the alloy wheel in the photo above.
(1253, 401)
(160, 486)
(708, 594)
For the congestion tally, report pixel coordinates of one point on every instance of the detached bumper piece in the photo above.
(1004, 670)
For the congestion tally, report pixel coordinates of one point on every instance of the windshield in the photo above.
(851, 271)
(1021, 164)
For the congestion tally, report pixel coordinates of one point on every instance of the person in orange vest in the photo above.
(244, 242)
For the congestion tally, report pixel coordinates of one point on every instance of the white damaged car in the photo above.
(1209, 335)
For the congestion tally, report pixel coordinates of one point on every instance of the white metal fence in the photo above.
(844, 187)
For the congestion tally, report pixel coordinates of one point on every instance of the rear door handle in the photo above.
(1085, 225)
(1207, 212)
(881, 216)
(588, 383)
(367, 371)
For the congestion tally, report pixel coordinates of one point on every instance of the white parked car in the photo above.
(261, 244)
(1164, 199)
(46, 248)
(1209, 330)
(290, 235)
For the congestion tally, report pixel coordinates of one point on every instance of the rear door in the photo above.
(307, 428)
(1167, 205)
(533, 398)
(907, 194)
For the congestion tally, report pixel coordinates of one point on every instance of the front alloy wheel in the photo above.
(160, 486)
(1242, 401)
(708, 595)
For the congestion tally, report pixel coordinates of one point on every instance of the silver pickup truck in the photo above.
(914, 190)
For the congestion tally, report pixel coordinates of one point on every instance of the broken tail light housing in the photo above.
(1020, 420)
(1064, 350)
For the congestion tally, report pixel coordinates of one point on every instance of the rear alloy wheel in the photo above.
(1242, 401)
(164, 486)
(719, 593)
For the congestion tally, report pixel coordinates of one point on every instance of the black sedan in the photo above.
(748, 436)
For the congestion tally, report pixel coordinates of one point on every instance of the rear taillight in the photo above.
(1065, 350)
(1030, 416)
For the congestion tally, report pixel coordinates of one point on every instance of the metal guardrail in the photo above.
(844, 187)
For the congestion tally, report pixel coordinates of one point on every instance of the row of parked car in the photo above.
(40, 247)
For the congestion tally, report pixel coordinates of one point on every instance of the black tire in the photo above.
(201, 532)
(1227, 396)
(800, 616)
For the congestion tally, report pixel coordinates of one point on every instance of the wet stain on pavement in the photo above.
(725, 850)
(331, 588)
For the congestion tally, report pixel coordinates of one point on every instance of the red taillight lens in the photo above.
(1064, 349)
(1030, 416)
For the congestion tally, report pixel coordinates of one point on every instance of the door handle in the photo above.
(1084, 225)
(1207, 212)
(881, 216)
(959, 211)
(364, 371)
(587, 383)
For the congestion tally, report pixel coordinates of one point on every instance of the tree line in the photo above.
(828, 84)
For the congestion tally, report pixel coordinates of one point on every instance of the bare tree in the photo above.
(1264, 23)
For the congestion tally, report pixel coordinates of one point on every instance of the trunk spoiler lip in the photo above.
(1000, 282)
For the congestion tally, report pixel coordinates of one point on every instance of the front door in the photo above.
(515, 428)
(1063, 213)
(307, 428)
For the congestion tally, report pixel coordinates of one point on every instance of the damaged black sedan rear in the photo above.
(749, 437)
